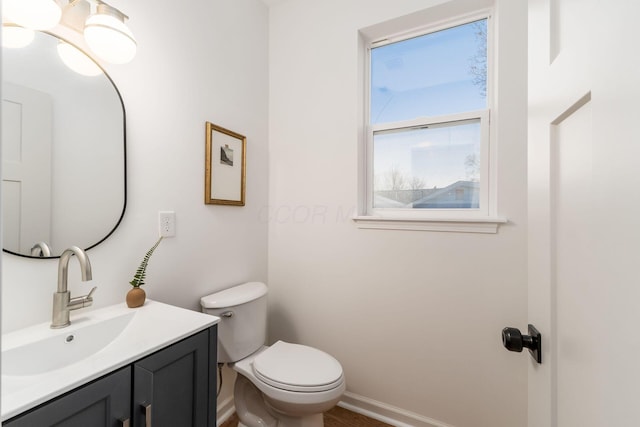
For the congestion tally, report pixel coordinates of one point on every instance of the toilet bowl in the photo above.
(293, 380)
(282, 385)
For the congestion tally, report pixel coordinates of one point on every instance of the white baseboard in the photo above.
(362, 405)
(386, 413)
(226, 408)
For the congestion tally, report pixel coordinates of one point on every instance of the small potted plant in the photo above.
(136, 296)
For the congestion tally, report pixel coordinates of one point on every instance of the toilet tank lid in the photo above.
(234, 296)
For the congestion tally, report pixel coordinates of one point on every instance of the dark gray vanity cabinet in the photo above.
(175, 386)
(172, 386)
(102, 403)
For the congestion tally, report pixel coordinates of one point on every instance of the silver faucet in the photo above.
(62, 301)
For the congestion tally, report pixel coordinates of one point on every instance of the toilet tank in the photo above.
(243, 319)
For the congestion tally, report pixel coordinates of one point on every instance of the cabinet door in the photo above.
(171, 387)
(105, 402)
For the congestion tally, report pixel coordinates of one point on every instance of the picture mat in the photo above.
(226, 181)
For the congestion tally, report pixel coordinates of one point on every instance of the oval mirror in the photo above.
(63, 153)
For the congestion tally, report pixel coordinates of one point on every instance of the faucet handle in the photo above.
(83, 301)
(87, 300)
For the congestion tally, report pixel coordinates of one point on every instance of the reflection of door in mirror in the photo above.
(26, 165)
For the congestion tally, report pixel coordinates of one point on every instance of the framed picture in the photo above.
(225, 167)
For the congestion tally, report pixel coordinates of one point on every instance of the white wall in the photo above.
(204, 61)
(414, 317)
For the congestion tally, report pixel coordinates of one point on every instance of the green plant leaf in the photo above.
(140, 274)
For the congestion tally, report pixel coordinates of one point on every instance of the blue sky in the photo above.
(427, 76)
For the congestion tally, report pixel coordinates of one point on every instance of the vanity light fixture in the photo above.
(107, 35)
(33, 14)
(104, 31)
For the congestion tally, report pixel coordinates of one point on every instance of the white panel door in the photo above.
(26, 167)
(584, 212)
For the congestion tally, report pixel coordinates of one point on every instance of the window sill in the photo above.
(456, 225)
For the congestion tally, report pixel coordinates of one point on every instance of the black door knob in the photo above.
(513, 340)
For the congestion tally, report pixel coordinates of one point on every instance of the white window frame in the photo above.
(483, 219)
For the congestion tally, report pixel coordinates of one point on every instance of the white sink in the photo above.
(40, 363)
(63, 347)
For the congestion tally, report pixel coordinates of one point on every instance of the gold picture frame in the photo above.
(225, 166)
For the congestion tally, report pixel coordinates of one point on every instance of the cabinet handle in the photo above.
(147, 415)
(124, 423)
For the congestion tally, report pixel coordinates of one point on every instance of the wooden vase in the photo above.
(135, 297)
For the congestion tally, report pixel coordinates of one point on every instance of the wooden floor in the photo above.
(336, 417)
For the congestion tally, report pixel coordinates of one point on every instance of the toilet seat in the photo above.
(298, 368)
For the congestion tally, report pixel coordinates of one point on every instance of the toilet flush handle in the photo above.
(227, 314)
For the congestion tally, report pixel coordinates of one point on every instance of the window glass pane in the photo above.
(435, 74)
(434, 167)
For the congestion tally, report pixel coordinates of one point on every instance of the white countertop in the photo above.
(154, 326)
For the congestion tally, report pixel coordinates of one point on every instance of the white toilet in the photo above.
(284, 385)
